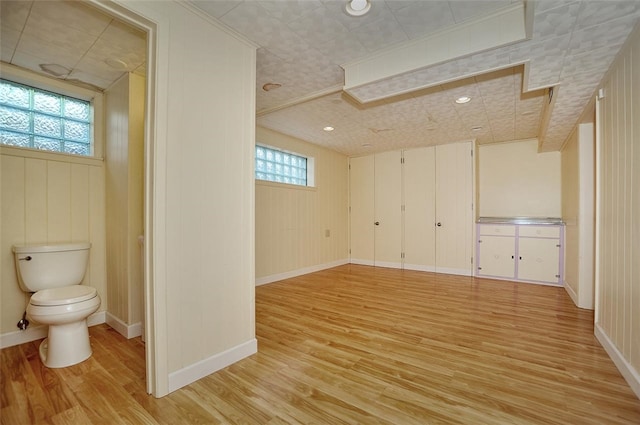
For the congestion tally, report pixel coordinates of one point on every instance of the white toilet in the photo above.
(55, 273)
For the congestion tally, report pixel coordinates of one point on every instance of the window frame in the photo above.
(310, 167)
(61, 87)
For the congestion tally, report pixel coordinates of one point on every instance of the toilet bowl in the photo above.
(54, 274)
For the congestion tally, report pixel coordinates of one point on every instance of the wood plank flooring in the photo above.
(356, 345)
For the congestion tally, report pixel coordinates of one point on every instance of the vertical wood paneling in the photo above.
(48, 201)
(36, 201)
(97, 270)
(619, 247)
(634, 316)
(291, 222)
(13, 301)
(58, 201)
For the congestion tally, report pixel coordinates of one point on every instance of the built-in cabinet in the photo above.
(414, 209)
(523, 252)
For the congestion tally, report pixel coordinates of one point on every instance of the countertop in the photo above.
(521, 220)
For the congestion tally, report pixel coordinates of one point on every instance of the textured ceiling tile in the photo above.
(610, 34)
(543, 5)
(318, 26)
(13, 14)
(464, 10)
(69, 14)
(421, 18)
(49, 50)
(67, 39)
(9, 40)
(217, 8)
(343, 50)
(291, 9)
(597, 12)
(555, 22)
(379, 34)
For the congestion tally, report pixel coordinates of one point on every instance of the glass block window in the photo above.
(38, 119)
(279, 166)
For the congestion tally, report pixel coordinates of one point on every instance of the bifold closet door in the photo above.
(419, 209)
(454, 211)
(361, 210)
(388, 209)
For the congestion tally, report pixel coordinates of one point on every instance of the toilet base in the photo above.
(66, 345)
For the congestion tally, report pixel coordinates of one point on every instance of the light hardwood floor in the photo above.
(357, 345)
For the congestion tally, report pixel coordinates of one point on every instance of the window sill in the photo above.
(285, 185)
(50, 156)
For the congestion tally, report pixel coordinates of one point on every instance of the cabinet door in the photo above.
(419, 209)
(388, 213)
(497, 256)
(454, 212)
(361, 217)
(538, 259)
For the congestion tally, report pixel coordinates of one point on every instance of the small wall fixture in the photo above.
(358, 7)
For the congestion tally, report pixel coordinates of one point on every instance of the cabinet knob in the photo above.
(377, 223)
(438, 224)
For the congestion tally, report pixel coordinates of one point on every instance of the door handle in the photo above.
(439, 224)
(377, 223)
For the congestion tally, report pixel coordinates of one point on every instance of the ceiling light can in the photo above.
(463, 99)
(358, 7)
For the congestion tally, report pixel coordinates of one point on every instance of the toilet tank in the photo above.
(50, 266)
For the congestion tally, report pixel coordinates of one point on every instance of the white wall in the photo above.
(618, 211)
(292, 222)
(515, 180)
(200, 262)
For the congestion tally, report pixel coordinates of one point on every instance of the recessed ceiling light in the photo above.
(358, 7)
(328, 128)
(463, 99)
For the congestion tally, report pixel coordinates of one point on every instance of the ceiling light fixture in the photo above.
(477, 128)
(55, 70)
(271, 86)
(358, 7)
(328, 128)
(463, 99)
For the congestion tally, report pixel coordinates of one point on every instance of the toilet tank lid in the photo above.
(24, 249)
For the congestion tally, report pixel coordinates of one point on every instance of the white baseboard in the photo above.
(34, 333)
(628, 372)
(299, 272)
(572, 293)
(192, 373)
(127, 331)
(419, 267)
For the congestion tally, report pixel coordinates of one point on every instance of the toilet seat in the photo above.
(63, 296)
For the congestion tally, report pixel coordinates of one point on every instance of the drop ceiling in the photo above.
(307, 46)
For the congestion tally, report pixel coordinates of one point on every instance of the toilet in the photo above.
(54, 274)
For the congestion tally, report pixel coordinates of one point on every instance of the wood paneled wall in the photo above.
(124, 145)
(46, 199)
(292, 222)
(578, 191)
(618, 288)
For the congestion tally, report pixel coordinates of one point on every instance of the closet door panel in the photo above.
(454, 213)
(419, 209)
(361, 217)
(388, 214)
